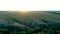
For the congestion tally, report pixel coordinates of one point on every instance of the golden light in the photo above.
(24, 12)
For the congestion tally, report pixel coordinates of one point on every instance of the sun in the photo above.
(24, 12)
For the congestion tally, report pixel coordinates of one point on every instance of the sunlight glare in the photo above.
(24, 12)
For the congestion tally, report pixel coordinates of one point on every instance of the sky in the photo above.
(29, 5)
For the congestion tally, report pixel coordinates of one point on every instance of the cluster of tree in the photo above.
(38, 29)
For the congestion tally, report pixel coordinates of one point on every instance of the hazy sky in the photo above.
(29, 5)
